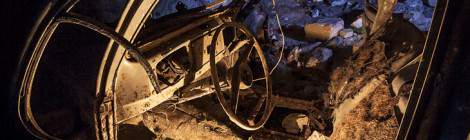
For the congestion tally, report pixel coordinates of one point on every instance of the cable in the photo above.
(282, 37)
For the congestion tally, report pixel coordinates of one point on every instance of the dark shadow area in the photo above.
(135, 132)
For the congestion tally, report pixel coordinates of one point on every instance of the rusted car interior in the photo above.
(239, 69)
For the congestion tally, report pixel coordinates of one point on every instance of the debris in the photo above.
(319, 58)
(295, 104)
(290, 42)
(255, 20)
(417, 12)
(400, 8)
(373, 118)
(294, 55)
(346, 33)
(315, 13)
(431, 3)
(291, 12)
(344, 42)
(355, 4)
(358, 45)
(294, 122)
(357, 23)
(267, 134)
(298, 52)
(310, 56)
(324, 29)
(349, 104)
(317, 136)
(323, 54)
(418, 19)
(337, 2)
(329, 11)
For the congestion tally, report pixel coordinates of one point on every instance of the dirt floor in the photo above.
(191, 120)
(370, 112)
(373, 118)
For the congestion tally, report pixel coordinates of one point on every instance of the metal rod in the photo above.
(98, 27)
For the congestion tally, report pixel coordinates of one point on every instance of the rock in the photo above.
(290, 12)
(317, 136)
(357, 23)
(416, 12)
(399, 8)
(431, 3)
(312, 62)
(294, 122)
(255, 20)
(414, 5)
(337, 2)
(319, 58)
(428, 12)
(344, 42)
(298, 53)
(329, 11)
(355, 4)
(346, 33)
(315, 13)
(310, 56)
(418, 19)
(322, 54)
(324, 29)
(290, 42)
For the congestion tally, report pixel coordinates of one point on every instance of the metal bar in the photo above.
(186, 99)
(159, 41)
(296, 104)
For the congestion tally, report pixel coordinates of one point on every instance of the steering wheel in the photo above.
(241, 77)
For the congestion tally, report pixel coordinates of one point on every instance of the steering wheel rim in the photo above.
(267, 100)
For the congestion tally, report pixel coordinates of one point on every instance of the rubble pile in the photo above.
(325, 60)
(304, 21)
(418, 12)
(316, 33)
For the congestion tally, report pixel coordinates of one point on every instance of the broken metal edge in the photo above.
(40, 33)
(417, 100)
(130, 23)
